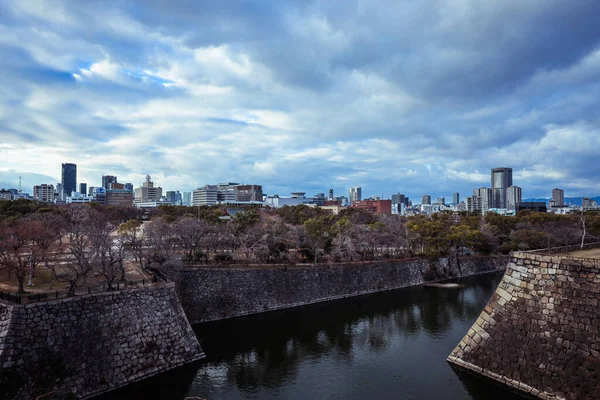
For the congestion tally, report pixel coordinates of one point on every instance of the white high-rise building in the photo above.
(486, 197)
(355, 194)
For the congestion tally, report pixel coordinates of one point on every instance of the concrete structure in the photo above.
(174, 196)
(474, 204)
(501, 180)
(82, 346)
(69, 178)
(248, 193)
(107, 180)
(374, 206)
(558, 198)
(186, 199)
(354, 194)
(296, 199)
(587, 203)
(147, 192)
(399, 198)
(330, 195)
(486, 197)
(426, 199)
(209, 294)
(152, 204)
(537, 206)
(334, 209)
(441, 200)
(455, 198)
(99, 195)
(59, 193)
(539, 332)
(205, 196)
(119, 198)
(6, 194)
(513, 197)
(44, 192)
(83, 188)
(78, 198)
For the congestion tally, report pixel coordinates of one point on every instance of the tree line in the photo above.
(85, 244)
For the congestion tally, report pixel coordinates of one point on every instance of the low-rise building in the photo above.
(374, 206)
(119, 198)
(44, 192)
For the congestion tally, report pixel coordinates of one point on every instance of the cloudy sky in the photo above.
(418, 97)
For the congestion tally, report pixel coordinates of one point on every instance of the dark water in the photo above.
(384, 346)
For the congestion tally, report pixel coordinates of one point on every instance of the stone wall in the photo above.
(90, 344)
(539, 332)
(209, 294)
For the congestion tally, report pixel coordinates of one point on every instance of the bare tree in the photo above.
(131, 235)
(159, 246)
(15, 250)
(190, 233)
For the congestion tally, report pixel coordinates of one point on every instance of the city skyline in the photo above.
(305, 96)
(414, 197)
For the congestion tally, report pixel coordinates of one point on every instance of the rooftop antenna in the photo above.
(19, 184)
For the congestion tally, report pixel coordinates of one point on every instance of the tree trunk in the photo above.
(21, 289)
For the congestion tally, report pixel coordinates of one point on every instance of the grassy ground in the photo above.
(44, 282)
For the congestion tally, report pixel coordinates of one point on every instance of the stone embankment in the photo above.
(209, 294)
(86, 345)
(539, 333)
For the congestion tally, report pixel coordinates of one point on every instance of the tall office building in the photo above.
(455, 198)
(69, 178)
(558, 198)
(330, 197)
(174, 196)
(107, 180)
(426, 199)
(147, 192)
(486, 197)
(399, 198)
(128, 186)
(501, 180)
(187, 198)
(83, 188)
(355, 194)
(441, 200)
(513, 197)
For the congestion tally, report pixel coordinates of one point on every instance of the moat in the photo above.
(390, 345)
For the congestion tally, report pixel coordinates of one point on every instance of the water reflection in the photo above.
(387, 345)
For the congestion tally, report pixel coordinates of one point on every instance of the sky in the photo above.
(414, 97)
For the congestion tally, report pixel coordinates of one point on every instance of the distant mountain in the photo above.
(572, 201)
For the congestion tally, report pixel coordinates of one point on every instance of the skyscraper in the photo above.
(330, 197)
(426, 199)
(355, 194)
(83, 188)
(501, 180)
(558, 198)
(485, 194)
(513, 197)
(69, 178)
(455, 198)
(107, 180)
